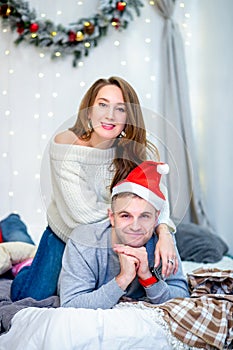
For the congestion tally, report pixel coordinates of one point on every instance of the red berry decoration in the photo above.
(20, 27)
(72, 36)
(34, 27)
(121, 6)
(116, 22)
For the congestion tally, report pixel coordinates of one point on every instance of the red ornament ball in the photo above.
(72, 36)
(20, 27)
(121, 6)
(115, 22)
(34, 27)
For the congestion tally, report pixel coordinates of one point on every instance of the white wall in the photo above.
(34, 120)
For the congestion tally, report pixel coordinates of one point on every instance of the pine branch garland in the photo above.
(75, 39)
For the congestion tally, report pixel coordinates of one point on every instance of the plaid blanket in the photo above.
(206, 319)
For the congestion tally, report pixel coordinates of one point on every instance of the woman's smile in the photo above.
(107, 126)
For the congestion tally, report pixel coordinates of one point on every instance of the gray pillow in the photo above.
(199, 244)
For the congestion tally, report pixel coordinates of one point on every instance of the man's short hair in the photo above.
(124, 195)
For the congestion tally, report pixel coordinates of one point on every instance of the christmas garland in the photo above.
(77, 38)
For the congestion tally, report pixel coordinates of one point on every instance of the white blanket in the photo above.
(71, 329)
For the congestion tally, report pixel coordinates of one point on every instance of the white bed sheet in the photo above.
(71, 329)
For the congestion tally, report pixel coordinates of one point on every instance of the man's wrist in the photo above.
(122, 282)
(148, 282)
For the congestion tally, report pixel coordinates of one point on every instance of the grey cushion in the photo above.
(199, 244)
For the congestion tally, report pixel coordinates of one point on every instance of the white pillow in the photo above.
(12, 253)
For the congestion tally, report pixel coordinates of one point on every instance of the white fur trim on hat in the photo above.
(140, 191)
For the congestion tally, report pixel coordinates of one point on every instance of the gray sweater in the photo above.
(89, 268)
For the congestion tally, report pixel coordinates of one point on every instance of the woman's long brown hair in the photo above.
(130, 150)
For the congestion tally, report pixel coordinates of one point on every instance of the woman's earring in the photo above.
(122, 134)
(90, 126)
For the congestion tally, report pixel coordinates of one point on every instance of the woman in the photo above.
(107, 141)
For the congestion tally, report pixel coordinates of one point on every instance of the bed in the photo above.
(204, 321)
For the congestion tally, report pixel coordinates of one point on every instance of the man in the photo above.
(107, 261)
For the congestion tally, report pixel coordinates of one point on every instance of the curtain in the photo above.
(183, 181)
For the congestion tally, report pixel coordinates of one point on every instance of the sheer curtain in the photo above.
(183, 181)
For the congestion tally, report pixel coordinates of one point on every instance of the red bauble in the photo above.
(34, 27)
(121, 6)
(72, 36)
(20, 27)
(116, 22)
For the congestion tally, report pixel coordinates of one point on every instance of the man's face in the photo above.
(133, 220)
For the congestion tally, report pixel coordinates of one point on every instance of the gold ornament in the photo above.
(79, 36)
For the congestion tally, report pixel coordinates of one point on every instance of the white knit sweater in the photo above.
(81, 178)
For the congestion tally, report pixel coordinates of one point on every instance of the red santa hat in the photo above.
(144, 181)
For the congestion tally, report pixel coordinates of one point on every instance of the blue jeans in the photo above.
(13, 229)
(39, 281)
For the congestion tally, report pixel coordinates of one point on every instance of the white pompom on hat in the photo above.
(144, 181)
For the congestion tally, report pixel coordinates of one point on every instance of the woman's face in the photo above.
(108, 113)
